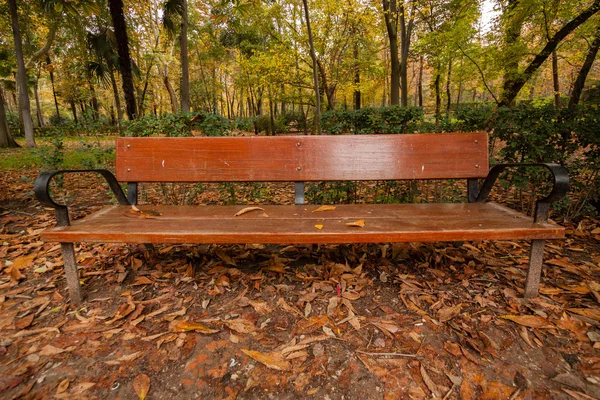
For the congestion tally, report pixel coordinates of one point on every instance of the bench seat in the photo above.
(296, 224)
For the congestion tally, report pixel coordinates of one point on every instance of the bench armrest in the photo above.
(41, 190)
(542, 206)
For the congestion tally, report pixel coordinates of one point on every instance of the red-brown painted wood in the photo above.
(303, 158)
(296, 224)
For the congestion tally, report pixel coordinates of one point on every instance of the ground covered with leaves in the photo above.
(370, 321)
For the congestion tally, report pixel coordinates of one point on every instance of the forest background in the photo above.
(523, 70)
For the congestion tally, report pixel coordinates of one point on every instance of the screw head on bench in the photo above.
(476, 165)
(476, 141)
(298, 168)
(299, 144)
(128, 169)
(128, 146)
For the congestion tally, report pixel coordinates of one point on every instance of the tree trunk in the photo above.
(390, 14)
(420, 82)
(38, 107)
(171, 92)
(514, 84)
(113, 83)
(6, 139)
(405, 33)
(21, 76)
(313, 56)
(448, 93)
(438, 99)
(356, 77)
(73, 110)
(183, 45)
(555, 81)
(94, 100)
(585, 69)
(116, 13)
(51, 69)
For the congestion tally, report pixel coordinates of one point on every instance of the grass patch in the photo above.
(67, 153)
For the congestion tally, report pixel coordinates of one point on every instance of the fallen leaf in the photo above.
(324, 208)
(447, 313)
(142, 280)
(531, 321)
(430, 383)
(592, 313)
(24, 322)
(49, 350)
(186, 326)
(357, 224)
(63, 385)
(319, 226)
(240, 325)
(247, 210)
(141, 385)
(273, 360)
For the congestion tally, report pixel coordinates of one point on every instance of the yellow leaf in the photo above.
(248, 209)
(591, 313)
(240, 325)
(324, 208)
(142, 280)
(357, 224)
(319, 226)
(141, 385)
(274, 360)
(187, 326)
(532, 321)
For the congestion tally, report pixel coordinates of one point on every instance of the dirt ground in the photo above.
(377, 321)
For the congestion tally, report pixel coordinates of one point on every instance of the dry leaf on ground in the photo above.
(531, 321)
(141, 385)
(273, 360)
(187, 326)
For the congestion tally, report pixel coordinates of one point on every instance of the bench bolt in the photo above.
(298, 168)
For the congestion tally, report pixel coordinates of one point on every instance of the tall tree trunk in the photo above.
(390, 14)
(405, 34)
(115, 89)
(94, 100)
(73, 110)
(6, 139)
(183, 45)
(555, 81)
(51, 69)
(448, 93)
(38, 106)
(438, 99)
(21, 76)
(116, 13)
(356, 77)
(512, 33)
(420, 82)
(585, 69)
(514, 84)
(313, 56)
(171, 92)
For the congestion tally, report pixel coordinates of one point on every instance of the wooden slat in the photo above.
(302, 158)
(296, 224)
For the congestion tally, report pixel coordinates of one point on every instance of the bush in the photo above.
(370, 120)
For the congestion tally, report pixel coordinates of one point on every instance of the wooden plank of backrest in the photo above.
(303, 158)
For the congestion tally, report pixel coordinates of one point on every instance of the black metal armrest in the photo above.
(41, 190)
(542, 206)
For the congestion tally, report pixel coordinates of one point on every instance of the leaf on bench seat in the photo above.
(324, 208)
(356, 224)
(144, 214)
(247, 210)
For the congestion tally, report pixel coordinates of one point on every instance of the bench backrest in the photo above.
(302, 158)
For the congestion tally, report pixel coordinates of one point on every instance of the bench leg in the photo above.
(536, 256)
(70, 264)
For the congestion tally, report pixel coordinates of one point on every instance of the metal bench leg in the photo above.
(70, 264)
(536, 256)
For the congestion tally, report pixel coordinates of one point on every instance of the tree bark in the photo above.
(171, 92)
(405, 34)
(183, 57)
(24, 106)
(6, 139)
(420, 82)
(116, 13)
(313, 56)
(390, 15)
(585, 69)
(514, 84)
(438, 99)
(448, 92)
(356, 77)
(113, 83)
(51, 70)
(38, 107)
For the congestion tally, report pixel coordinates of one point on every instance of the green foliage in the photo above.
(473, 117)
(370, 120)
(179, 124)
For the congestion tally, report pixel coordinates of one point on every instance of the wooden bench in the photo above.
(300, 159)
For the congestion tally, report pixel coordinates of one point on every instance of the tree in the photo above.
(585, 69)
(313, 56)
(21, 76)
(171, 10)
(116, 12)
(514, 82)
(6, 139)
(390, 15)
